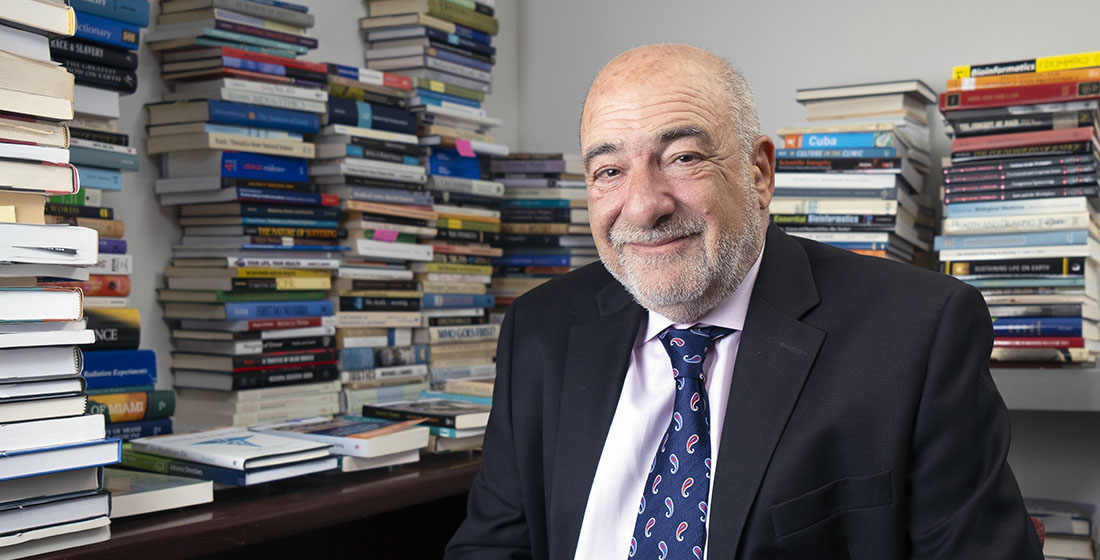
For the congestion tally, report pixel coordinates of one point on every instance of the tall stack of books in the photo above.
(1020, 194)
(1070, 528)
(545, 229)
(253, 330)
(370, 157)
(446, 49)
(51, 453)
(852, 175)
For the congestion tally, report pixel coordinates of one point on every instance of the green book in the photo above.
(457, 13)
(450, 89)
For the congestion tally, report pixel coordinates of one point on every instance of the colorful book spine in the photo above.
(362, 114)
(263, 167)
(1020, 95)
(844, 153)
(134, 12)
(1036, 238)
(127, 431)
(168, 465)
(356, 358)
(267, 310)
(107, 31)
(435, 301)
(1024, 327)
(456, 397)
(91, 52)
(129, 407)
(120, 368)
(107, 159)
(264, 117)
(99, 178)
(112, 246)
(839, 140)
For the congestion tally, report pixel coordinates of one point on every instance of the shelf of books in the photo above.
(1020, 195)
(51, 452)
(852, 175)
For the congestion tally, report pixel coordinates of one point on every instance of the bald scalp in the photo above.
(712, 75)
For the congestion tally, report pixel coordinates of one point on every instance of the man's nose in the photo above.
(648, 196)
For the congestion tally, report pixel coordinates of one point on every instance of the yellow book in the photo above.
(1030, 66)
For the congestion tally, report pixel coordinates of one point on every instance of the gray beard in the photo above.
(686, 299)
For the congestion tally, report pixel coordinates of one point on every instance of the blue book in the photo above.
(1037, 326)
(370, 115)
(854, 153)
(456, 58)
(252, 221)
(127, 431)
(279, 196)
(277, 51)
(456, 397)
(222, 475)
(106, 31)
(120, 368)
(459, 41)
(358, 152)
(1023, 207)
(99, 178)
(240, 165)
(284, 5)
(1026, 239)
(264, 117)
(473, 34)
(436, 301)
(272, 247)
(112, 246)
(214, 33)
(1025, 282)
(535, 203)
(533, 260)
(128, 11)
(836, 140)
(268, 68)
(356, 358)
(449, 163)
(58, 458)
(429, 97)
(276, 309)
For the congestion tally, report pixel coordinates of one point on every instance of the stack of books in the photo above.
(545, 229)
(852, 175)
(122, 387)
(51, 452)
(246, 288)
(1020, 196)
(446, 50)
(1070, 528)
(455, 424)
(230, 456)
(359, 443)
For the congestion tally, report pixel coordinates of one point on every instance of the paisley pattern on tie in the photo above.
(671, 525)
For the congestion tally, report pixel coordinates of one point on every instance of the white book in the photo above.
(55, 537)
(207, 417)
(388, 319)
(832, 206)
(257, 395)
(463, 333)
(1018, 224)
(393, 251)
(25, 43)
(844, 237)
(546, 193)
(102, 146)
(312, 94)
(290, 402)
(846, 180)
(138, 492)
(355, 229)
(349, 463)
(43, 460)
(462, 116)
(96, 102)
(373, 273)
(51, 432)
(252, 97)
(40, 304)
(472, 186)
(48, 244)
(231, 448)
(43, 512)
(56, 483)
(359, 437)
(10, 339)
(478, 147)
(1090, 250)
(113, 264)
(52, 270)
(333, 131)
(106, 302)
(22, 364)
(467, 211)
(34, 153)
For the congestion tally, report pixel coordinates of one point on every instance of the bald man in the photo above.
(841, 405)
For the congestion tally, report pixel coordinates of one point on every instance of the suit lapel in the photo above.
(595, 367)
(773, 361)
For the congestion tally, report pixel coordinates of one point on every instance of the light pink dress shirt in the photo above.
(641, 418)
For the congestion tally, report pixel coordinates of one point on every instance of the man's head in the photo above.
(679, 178)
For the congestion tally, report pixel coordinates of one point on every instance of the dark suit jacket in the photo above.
(862, 424)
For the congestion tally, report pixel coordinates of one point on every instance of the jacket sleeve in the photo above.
(495, 525)
(965, 502)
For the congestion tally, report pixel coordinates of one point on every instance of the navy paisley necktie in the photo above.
(673, 511)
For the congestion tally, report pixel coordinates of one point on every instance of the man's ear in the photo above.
(762, 160)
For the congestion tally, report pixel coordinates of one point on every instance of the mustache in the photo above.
(669, 227)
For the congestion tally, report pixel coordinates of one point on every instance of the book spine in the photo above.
(112, 246)
(102, 30)
(1014, 174)
(451, 56)
(75, 49)
(98, 136)
(373, 411)
(1038, 342)
(113, 264)
(98, 285)
(134, 12)
(985, 142)
(1034, 65)
(265, 117)
(128, 407)
(1037, 327)
(103, 158)
(852, 220)
(1073, 237)
(316, 68)
(357, 303)
(462, 333)
(356, 358)
(1014, 224)
(106, 228)
(173, 466)
(527, 166)
(457, 69)
(127, 431)
(265, 10)
(55, 209)
(459, 41)
(1017, 164)
(1019, 95)
(284, 377)
(1055, 266)
(1069, 148)
(114, 331)
(838, 164)
(829, 192)
(260, 310)
(269, 34)
(266, 362)
(1065, 192)
(1007, 124)
(430, 301)
(838, 140)
(286, 197)
(100, 76)
(1022, 183)
(466, 17)
(388, 196)
(272, 100)
(363, 114)
(97, 178)
(263, 167)
(120, 368)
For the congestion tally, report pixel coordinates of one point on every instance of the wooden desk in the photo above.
(269, 513)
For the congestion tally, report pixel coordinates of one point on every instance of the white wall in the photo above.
(785, 45)
(151, 230)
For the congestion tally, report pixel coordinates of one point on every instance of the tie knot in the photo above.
(687, 348)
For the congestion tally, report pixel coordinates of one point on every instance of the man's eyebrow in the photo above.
(675, 134)
(599, 150)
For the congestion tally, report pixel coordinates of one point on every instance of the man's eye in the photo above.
(608, 173)
(686, 158)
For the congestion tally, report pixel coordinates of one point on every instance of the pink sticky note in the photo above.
(385, 235)
(464, 148)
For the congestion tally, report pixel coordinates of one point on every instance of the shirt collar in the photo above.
(730, 313)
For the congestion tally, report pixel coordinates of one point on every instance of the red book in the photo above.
(318, 67)
(1017, 139)
(99, 285)
(1019, 95)
(1039, 342)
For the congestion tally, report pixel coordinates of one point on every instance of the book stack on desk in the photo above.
(1070, 528)
(446, 50)
(1020, 191)
(852, 175)
(454, 424)
(232, 456)
(122, 387)
(360, 443)
(246, 286)
(51, 453)
(545, 230)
